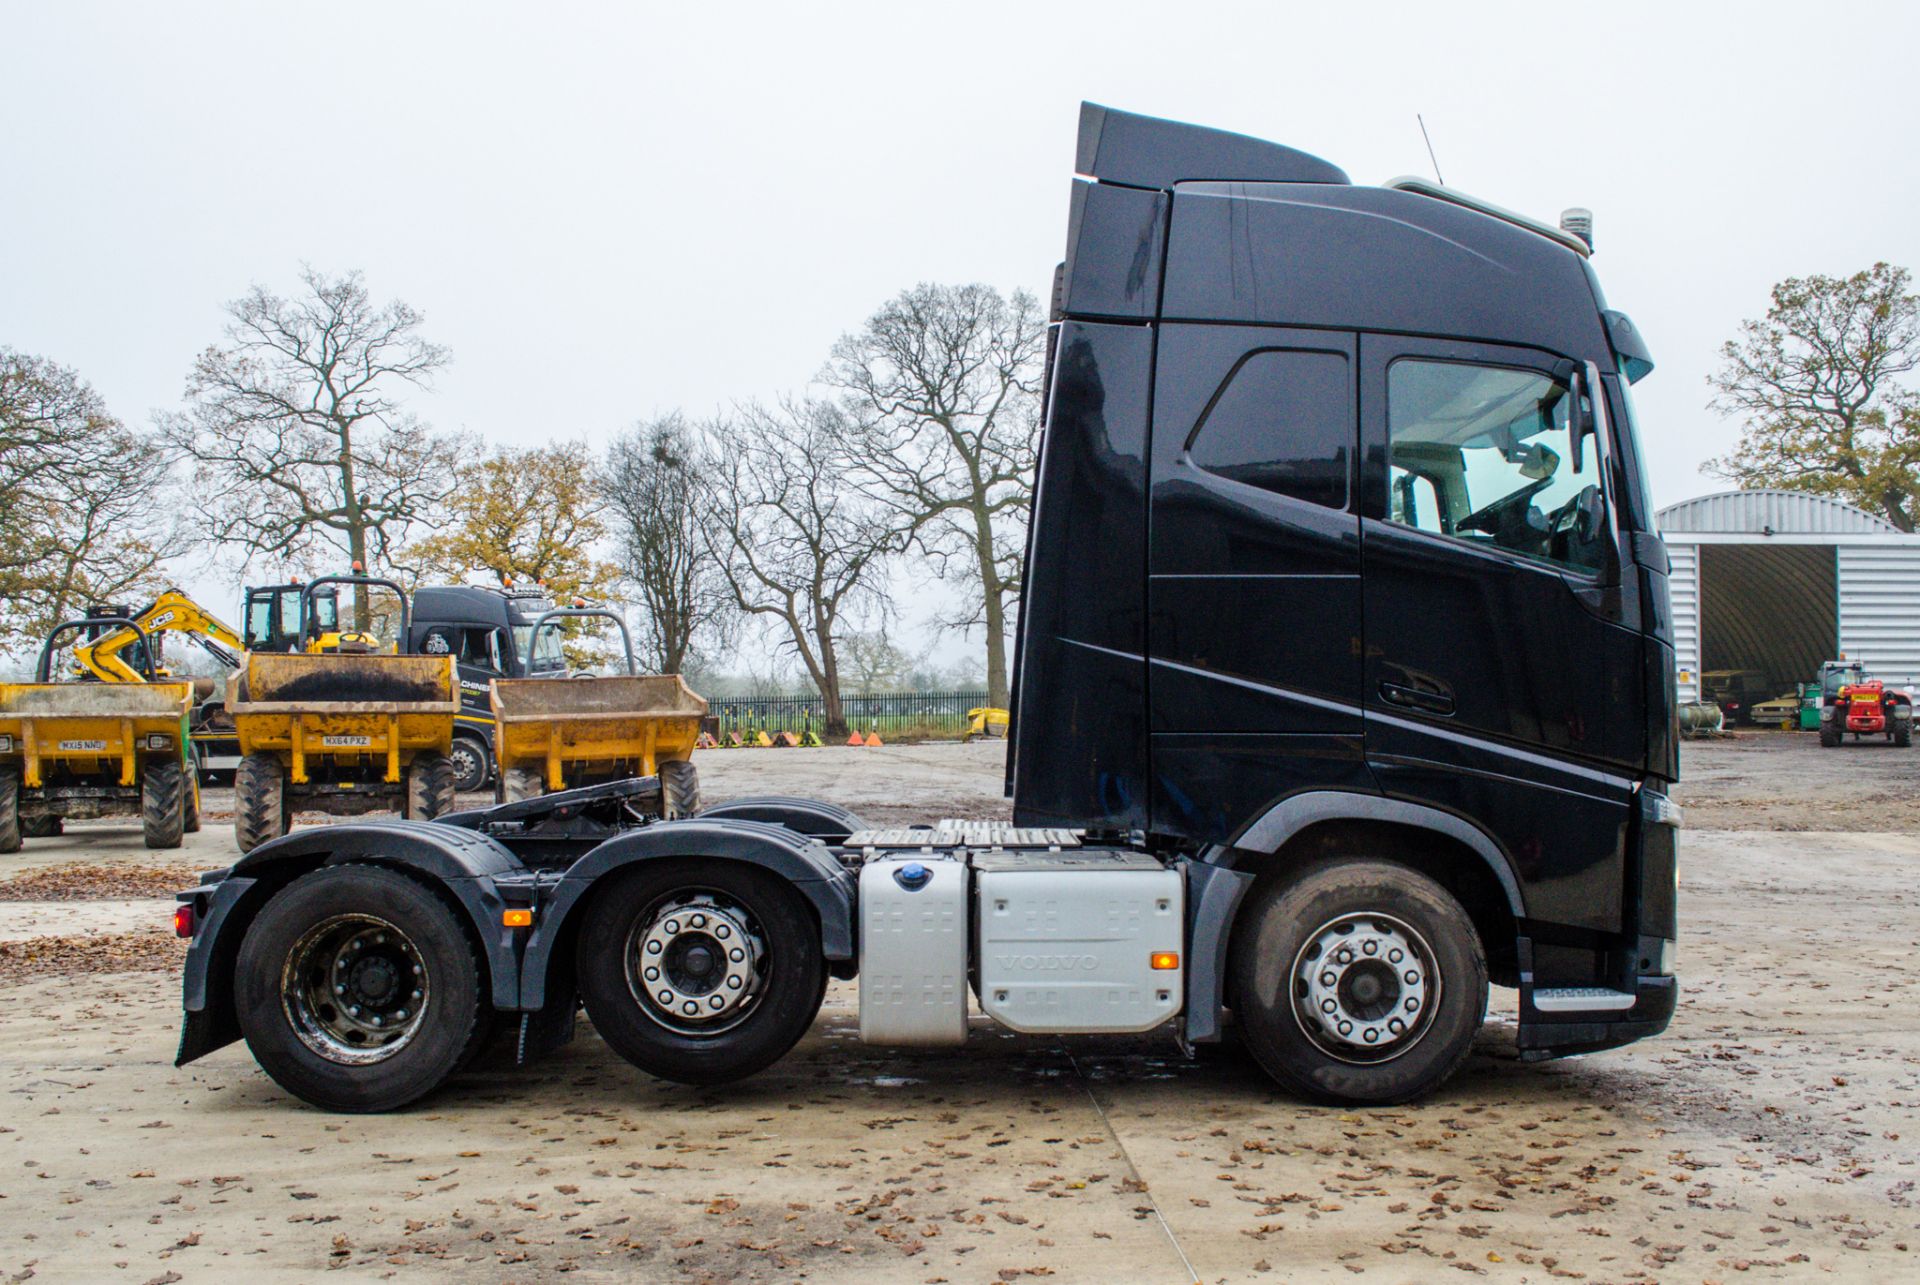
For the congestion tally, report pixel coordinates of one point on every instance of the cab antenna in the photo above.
(1430, 156)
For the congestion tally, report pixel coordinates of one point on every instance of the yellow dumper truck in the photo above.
(78, 750)
(557, 733)
(340, 732)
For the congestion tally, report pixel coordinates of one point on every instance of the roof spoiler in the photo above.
(1144, 151)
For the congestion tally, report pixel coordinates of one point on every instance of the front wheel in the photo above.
(357, 989)
(1903, 733)
(1829, 736)
(261, 808)
(679, 788)
(701, 974)
(430, 780)
(163, 803)
(9, 810)
(1358, 982)
(518, 784)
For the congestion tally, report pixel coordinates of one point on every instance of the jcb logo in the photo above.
(1050, 963)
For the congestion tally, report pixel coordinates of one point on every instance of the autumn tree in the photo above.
(525, 517)
(941, 390)
(300, 443)
(84, 500)
(658, 503)
(799, 546)
(1817, 382)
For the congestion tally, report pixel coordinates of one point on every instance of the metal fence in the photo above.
(934, 713)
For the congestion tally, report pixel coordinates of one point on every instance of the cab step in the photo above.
(1582, 999)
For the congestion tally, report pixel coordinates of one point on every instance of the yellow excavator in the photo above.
(111, 655)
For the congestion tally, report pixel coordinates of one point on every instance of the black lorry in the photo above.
(1344, 688)
(490, 634)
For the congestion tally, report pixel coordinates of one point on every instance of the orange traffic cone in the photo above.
(856, 739)
(873, 740)
(785, 740)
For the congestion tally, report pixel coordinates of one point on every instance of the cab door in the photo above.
(1499, 680)
(1253, 574)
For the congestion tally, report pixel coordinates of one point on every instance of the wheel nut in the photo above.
(736, 954)
(666, 997)
(416, 995)
(653, 974)
(653, 948)
(1327, 1006)
(722, 931)
(716, 1002)
(697, 921)
(339, 990)
(353, 1010)
(733, 983)
(1372, 1034)
(1346, 1028)
(1397, 1026)
(376, 1019)
(1370, 947)
(1394, 956)
(400, 1015)
(1328, 978)
(1413, 978)
(1413, 1004)
(690, 1008)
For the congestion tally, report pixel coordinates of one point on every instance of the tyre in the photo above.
(679, 788)
(9, 810)
(193, 803)
(1357, 981)
(1829, 736)
(703, 973)
(42, 827)
(429, 787)
(358, 989)
(163, 803)
(1903, 733)
(520, 783)
(261, 809)
(472, 764)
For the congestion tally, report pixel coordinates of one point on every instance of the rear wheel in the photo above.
(521, 783)
(192, 825)
(42, 827)
(1903, 732)
(679, 788)
(9, 810)
(1358, 982)
(700, 973)
(358, 989)
(430, 780)
(163, 804)
(1829, 736)
(261, 809)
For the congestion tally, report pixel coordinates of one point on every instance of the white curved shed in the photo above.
(1773, 582)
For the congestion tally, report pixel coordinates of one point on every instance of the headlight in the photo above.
(6, 744)
(159, 741)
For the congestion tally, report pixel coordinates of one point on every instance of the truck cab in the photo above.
(489, 633)
(1342, 544)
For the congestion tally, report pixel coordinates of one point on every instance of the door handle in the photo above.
(1415, 698)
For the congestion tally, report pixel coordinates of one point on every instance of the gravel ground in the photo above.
(1761, 1137)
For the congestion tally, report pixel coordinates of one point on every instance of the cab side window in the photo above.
(1282, 421)
(1483, 454)
(481, 648)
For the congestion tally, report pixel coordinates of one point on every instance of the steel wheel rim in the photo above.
(697, 962)
(1364, 988)
(468, 766)
(355, 989)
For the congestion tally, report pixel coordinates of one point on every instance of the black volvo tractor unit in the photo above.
(1344, 689)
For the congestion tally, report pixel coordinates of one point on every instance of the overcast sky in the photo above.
(611, 211)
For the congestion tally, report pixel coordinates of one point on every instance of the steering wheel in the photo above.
(1494, 517)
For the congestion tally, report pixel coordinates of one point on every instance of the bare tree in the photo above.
(653, 484)
(942, 389)
(798, 545)
(84, 500)
(1817, 382)
(875, 662)
(298, 438)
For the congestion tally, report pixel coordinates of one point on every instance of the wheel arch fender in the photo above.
(803, 863)
(461, 864)
(1221, 876)
(828, 822)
